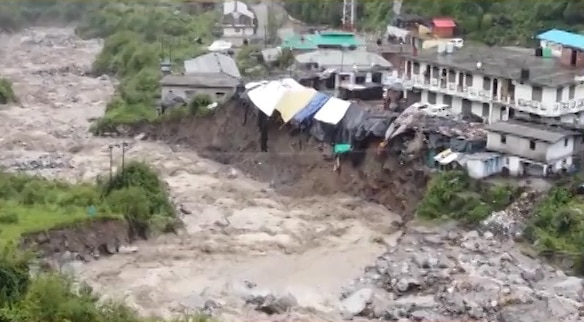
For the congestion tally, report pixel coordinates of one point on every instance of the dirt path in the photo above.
(240, 232)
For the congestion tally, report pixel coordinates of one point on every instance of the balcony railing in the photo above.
(452, 88)
(555, 110)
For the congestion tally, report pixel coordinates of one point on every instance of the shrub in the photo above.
(137, 192)
(134, 33)
(557, 226)
(6, 92)
(454, 195)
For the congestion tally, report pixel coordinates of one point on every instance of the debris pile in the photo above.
(34, 37)
(511, 221)
(44, 161)
(445, 276)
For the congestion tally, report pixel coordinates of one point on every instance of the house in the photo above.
(497, 83)
(321, 40)
(484, 164)
(532, 148)
(443, 27)
(212, 63)
(213, 74)
(239, 22)
(219, 87)
(350, 66)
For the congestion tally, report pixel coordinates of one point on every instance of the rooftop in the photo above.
(212, 63)
(503, 63)
(200, 80)
(330, 58)
(534, 131)
(444, 22)
(563, 38)
(324, 38)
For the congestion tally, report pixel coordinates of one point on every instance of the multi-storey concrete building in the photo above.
(501, 83)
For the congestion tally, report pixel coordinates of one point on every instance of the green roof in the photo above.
(328, 38)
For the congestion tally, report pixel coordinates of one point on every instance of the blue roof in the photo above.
(563, 38)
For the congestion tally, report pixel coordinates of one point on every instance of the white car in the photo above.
(457, 42)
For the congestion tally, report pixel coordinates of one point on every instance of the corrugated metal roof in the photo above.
(212, 63)
(444, 22)
(336, 39)
(563, 38)
(325, 38)
(328, 58)
(530, 131)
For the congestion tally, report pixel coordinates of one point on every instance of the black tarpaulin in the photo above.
(350, 123)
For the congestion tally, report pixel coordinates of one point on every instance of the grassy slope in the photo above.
(137, 37)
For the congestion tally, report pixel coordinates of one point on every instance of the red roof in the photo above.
(444, 23)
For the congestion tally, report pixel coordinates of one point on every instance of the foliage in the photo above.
(285, 60)
(137, 37)
(496, 22)
(557, 227)
(30, 204)
(6, 92)
(454, 195)
(249, 61)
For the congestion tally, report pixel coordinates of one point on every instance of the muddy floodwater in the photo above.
(240, 237)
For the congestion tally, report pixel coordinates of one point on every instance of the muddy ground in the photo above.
(295, 164)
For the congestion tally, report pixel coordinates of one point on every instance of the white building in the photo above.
(239, 21)
(500, 83)
(532, 149)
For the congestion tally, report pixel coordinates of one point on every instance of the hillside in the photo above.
(498, 22)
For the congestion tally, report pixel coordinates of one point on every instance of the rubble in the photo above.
(41, 162)
(471, 276)
(511, 221)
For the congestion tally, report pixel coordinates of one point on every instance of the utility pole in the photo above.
(348, 20)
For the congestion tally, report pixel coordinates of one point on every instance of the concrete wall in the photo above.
(566, 57)
(188, 93)
(542, 151)
(481, 168)
(231, 31)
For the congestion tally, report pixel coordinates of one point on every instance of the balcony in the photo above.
(452, 88)
(549, 110)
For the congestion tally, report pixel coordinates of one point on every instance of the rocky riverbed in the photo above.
(446, 274)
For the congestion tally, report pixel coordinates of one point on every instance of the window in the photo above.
(503, 139)
(532, 145)
(447, 99)
(485, 110)
(566, 142)
(486, 83)
(559, 93)
(572, 92)
(432, 98)
(468, 78)
(536, 93)
(416, 69)
(219, 94)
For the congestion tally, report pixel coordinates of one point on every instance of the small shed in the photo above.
(443, 27)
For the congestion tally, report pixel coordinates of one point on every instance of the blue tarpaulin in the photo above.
(312, 108)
